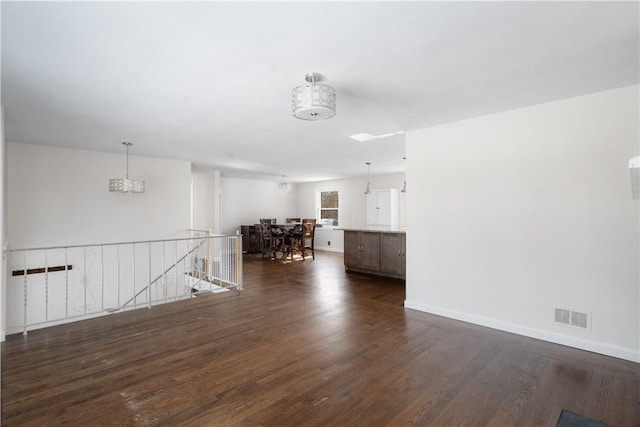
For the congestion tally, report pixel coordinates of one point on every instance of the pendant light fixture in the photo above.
(313, 101)
(368, 191)
(126, 185)
(404, 186)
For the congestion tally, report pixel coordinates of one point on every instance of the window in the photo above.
(328, 212)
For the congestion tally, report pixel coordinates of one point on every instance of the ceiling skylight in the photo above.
(364, 137)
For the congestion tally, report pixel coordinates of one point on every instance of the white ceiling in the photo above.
(210, 82)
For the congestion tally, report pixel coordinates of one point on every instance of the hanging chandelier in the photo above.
(126, 185)
(284, 186)
(313, 101)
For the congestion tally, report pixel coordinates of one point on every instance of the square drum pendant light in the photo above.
(313, 101)
(126, 185)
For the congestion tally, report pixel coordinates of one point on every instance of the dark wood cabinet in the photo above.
(362, 250)
(351, 249)
(251, 239)
(375, 252)
(392, 253)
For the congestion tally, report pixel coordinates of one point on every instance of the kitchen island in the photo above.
(376, 250)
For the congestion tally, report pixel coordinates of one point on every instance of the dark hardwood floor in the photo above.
(305, 344)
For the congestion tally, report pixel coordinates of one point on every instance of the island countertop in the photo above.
(381, 229)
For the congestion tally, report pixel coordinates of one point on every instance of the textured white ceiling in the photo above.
(210, 82)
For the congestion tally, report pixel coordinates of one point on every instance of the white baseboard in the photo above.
(582, 344)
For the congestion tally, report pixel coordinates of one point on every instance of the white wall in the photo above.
(204, 203)
(60, 196)
(3, 227)
(527, 210)
(245, 201)
(353, 204)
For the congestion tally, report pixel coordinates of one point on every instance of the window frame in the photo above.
(320, 209)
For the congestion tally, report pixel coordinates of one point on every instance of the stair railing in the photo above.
(154, 281)
(59, 284)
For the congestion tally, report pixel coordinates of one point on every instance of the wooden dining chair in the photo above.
(290, 220)
(295, 239)
(279, 242)
(308, 235)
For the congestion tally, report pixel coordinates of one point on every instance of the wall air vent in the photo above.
(579, 319)
(563, 316)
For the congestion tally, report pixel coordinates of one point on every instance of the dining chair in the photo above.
(290, 220)
(308, 235)
(295, 239)
(279, 245)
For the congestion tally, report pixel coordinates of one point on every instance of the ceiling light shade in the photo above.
(313, 101)
(126, 185)
(368, 191)
(284, 186)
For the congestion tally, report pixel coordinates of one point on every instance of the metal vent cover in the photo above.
(580, 319)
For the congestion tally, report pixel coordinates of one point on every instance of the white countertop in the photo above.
(380, 228)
